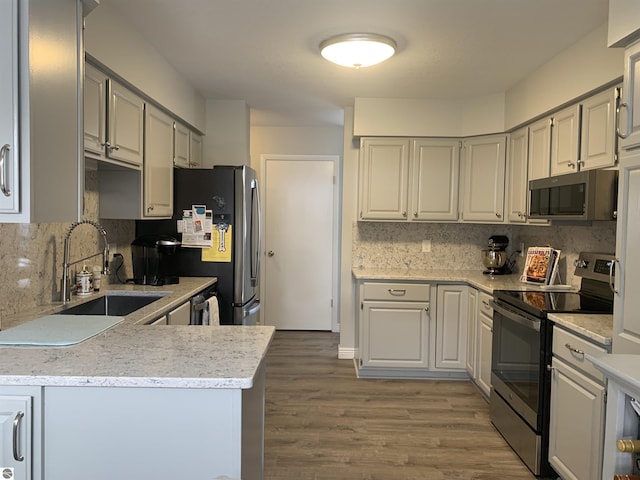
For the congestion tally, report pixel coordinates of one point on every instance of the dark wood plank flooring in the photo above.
(322, 423)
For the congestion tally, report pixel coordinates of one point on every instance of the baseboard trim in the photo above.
(345, 353)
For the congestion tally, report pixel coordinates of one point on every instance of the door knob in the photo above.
(270, 253)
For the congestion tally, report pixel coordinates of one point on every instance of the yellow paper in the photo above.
(222, 243)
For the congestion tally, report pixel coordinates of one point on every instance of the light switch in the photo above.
(426, 246)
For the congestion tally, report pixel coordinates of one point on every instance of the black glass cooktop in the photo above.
(541, 303)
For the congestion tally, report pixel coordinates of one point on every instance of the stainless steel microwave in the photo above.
(588, 195)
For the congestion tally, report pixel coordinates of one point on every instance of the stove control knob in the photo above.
(581, 263)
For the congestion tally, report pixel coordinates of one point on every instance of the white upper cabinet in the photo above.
(539, 149)
(413, 180)
(483, 174)
(598, 134)
(583, 136)
(517, 185)
(41, 166)
(629, 120)
(114, 120)
(435, 168)
(626, 321)
(9, 129)
(384, 178)
(95, 110)
(181, 139)
(188, 147)
(195, 150)
(158, 163)
(126, 125)
(565, 140)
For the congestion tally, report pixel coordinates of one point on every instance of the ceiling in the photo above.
(266, 51)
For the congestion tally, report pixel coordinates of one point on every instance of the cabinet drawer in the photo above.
(484, 304)
(571, 348)
(396, 291)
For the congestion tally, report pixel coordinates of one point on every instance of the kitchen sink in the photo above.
(116, 304)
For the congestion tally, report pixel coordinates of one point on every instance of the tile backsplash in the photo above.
(31, 254)
(457, 246)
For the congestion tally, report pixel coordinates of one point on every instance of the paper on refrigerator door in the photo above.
(220, 251)
(196, 227)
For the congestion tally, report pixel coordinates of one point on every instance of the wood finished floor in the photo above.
(322, 423)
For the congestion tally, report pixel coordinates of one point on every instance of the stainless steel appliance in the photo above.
(154, 260)
(588, 195)
(495, 258)
(198, 304)
(231, 192)
(521, 351)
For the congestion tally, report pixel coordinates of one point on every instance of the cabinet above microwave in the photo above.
(588, 195)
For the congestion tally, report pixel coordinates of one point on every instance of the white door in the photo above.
(299, 223)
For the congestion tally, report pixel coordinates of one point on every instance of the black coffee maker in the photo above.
(155, 260)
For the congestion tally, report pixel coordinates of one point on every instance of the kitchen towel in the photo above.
(211, 314)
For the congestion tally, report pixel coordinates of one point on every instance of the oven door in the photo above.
(518, 362)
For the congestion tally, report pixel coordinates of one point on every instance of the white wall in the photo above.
(111, 40)
(423, 117)
(346, 348)
(323, 140)
(227, 139)
(585, 66)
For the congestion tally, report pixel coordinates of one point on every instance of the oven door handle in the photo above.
(513, 316)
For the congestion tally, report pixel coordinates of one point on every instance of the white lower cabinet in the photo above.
(451, 327)
(394, 326)
(577, 412)
(180, 315)
(484, 328)
(20, 433)
(472, 315)
(102, 433)
(480, 334)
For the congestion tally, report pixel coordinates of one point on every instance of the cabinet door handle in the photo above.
(498, 215)
(618, 132)
(574, 350)
(426, 309)
(486, 304)
(18, 457)
(611, 282)
(4, 157)
(404, 214)
(397, 292)
(571, 164)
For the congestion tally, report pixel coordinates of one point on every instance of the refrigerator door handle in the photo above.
(257, 252)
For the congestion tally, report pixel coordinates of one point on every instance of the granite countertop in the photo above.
(598, 328)
(623, 368)
(474, 278)
(132, 354)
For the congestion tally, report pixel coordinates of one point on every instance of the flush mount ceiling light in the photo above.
(358, 49)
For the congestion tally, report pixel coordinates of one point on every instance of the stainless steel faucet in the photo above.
(66, 280)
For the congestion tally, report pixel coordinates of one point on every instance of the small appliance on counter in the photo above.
(495, 257)
(155, 260)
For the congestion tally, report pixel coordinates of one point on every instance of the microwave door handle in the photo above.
(519, 319)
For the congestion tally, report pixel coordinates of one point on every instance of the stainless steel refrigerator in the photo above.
(231, 193)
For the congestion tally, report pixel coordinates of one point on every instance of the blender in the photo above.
(494, 258)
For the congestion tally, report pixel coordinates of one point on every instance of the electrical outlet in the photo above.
(521, 249)
(426, 246)
(113, 248)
